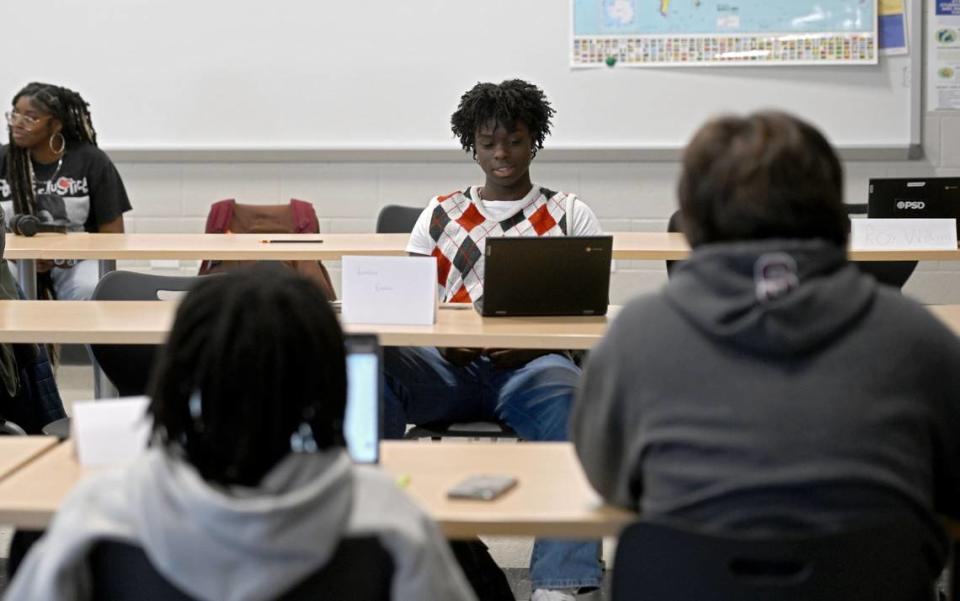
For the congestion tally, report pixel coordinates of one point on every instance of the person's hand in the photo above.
(459, 356)
(43, 265)
(513, 358)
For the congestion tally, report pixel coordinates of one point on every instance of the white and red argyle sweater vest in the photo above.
(459, 231)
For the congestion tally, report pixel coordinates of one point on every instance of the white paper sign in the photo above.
(903, 234)
(389, 290)
(109, 432)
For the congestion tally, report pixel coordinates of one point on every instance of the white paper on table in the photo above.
(109, 432)
(389, 290)
(903, 234)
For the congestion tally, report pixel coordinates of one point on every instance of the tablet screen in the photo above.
(361, 426)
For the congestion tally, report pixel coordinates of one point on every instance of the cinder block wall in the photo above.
(175, 197)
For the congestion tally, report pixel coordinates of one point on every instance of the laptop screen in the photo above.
(362, 424)
(931, 198)
(561, 275)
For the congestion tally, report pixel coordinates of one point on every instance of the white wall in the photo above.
(175, 197)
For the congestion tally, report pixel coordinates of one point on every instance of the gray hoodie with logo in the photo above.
(771, 386)
(240, 543)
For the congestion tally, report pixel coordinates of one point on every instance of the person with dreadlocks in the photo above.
(247, 490)
(503, 126)
(52, 168)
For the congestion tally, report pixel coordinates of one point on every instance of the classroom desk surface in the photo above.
(552, 498)
(17, 451)
(131, 246)
(148, 322)
(949, 315)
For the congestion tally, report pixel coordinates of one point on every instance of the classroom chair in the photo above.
(396, 219)
(891, 273)
(59, 428)
(360, 570)
(297, 217)
(128, 366)
(662, 562)
(8, 428)
(674, 225)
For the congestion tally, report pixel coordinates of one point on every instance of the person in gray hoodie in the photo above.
(770, 387)
(246, 489)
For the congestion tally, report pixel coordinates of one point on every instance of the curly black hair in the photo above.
(72, 111)
(505, 103)
(253, 355)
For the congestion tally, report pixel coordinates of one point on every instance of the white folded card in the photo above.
(109, 432)
(903, 234)
(389, 290)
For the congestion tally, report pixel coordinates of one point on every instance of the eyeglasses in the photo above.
(13, 117)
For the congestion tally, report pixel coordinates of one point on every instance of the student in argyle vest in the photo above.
(503, 125)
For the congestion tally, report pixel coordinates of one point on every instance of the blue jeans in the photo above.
(533, 399)
(71, 283)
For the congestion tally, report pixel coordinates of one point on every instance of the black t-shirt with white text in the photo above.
(83, 188)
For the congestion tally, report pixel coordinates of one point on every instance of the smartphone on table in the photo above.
(482, 487)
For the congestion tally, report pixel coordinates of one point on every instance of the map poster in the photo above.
(943, 55)
(671, 33)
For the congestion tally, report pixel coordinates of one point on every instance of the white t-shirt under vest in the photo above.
(454, 228)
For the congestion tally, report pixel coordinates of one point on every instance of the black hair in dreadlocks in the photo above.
(253, 355)
(505, 103)
(72, 111)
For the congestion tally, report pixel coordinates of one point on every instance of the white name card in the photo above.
(110, 432)
(389, 290)
(903, 234)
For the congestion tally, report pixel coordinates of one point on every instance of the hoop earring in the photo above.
(475, 157)
(63, 144)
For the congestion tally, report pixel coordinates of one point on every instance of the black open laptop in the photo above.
(929, 198)
(563, 275)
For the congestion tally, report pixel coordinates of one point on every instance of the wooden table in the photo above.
(131, 246)
(30, 496)
(949, 315)
(552, 498)
(240, 247)
(148, 322)
(108, 248)
(17, 451)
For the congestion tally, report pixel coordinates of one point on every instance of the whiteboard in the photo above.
(385, 75)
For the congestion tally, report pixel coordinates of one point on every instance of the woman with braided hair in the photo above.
(52, 168)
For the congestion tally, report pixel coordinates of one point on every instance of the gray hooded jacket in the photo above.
(772, 386)
(240, 544)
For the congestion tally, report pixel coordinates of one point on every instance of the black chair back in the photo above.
(8, 428)
(395, 219)
(674, 225)
(129, 365)
(360, 570)
(661, 562)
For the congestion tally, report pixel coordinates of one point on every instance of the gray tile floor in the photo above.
(511, 553)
